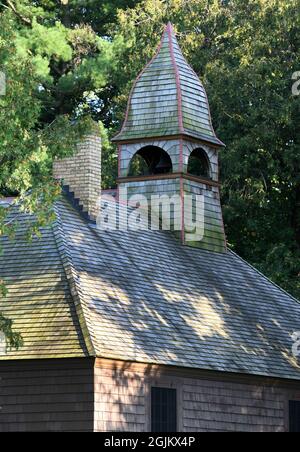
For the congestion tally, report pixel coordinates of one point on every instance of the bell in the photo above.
(164, 165)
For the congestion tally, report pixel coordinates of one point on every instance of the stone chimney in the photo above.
(81, 175)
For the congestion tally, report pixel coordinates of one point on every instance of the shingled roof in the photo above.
(142, 296)
(168, 99)
(39, 299)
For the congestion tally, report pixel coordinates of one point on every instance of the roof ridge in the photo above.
(170, 31)
(61, 242)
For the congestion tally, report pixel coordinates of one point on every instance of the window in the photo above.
(150, 160)
(294, 417)
(163, 410)
(198, 164)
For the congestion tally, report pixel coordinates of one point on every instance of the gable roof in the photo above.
(39, 299)
(142, 296)
(168, 98)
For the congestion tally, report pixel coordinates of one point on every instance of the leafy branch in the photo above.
(13, 338)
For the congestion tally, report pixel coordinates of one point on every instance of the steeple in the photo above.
(168, 98)
(167, 145)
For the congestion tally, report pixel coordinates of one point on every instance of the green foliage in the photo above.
(14, 339)
(109, 159)
(55, 65)
(138, 166)
(72, 61)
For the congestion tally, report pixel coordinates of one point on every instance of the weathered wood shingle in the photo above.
(53, 395)
(150, 299)
(39, 299)
(168, 98)
(142, 296)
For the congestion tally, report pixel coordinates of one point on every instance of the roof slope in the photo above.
(168, 98)
(152, 300)
(145, 297)
(39, 297)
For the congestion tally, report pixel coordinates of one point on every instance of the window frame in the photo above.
(291, 399)
(205, 156)
(143, 153)
(167, 383)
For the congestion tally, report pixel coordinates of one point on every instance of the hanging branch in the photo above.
(13, 8)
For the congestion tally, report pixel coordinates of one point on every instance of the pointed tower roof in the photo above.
(168, 98)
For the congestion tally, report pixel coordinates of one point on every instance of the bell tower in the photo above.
(167, 144)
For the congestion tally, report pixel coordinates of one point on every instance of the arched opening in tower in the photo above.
(198, 164)
(150, 160)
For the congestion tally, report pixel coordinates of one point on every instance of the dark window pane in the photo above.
(163, 410)
(295, 417)
(150, 160)
(198, 163)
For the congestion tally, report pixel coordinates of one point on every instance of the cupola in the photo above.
(167, 144)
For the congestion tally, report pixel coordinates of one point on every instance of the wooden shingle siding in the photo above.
(147, 298)
(214, 234)
(75, 395)
(168, 98)
(216, 402)
(120, 399)
(222, 406)
(47, 395)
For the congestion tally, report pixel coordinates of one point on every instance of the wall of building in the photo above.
(46, 395)
(206, 401)
(120, 397)
(70, 395)
(213, 238)
(173, 148)
(127, 151)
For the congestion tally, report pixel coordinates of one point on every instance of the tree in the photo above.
(72, 56)
(72, 51)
